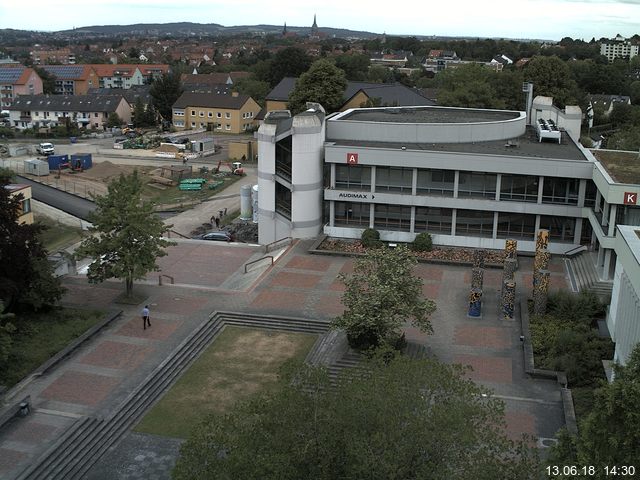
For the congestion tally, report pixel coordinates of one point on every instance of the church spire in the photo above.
(284, 30)
(315, 24)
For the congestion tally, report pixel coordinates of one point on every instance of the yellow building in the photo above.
(223, 113)
(25, 215)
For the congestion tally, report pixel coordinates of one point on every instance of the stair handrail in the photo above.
(574, 250)
(170, 231)
(267, 247)
(256, 261)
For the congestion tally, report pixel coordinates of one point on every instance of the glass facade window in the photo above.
(519, 188)
(560, 190)
(436, 182)
(474, 223)
(477, 185)
(590, 194)
(283, 201)
(433, 220)
(283, 158)
(394, 179)
(353, 177)
(516, 225)
(392, 217)
(560, 229)
(347, 214)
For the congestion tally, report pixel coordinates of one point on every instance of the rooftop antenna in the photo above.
(527, 87)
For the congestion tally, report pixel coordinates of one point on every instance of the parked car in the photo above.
(220, 236)
(45, 148)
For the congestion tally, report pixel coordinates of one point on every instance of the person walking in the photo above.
(145, 317)
(217, 220)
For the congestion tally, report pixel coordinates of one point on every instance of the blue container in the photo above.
(55, 161)
(85, 158)
(73, 139)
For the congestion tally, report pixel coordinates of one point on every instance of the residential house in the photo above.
(72, 79)
(62, 56)
(604, 103)
(502, 60)
(234, 113)
(25, 214)
(131, 95)
(17, 80)
(127, 75)
(85, 111)
(356, 95)
(391, 59)
(619, 47)
(437, 60)
(211, 79)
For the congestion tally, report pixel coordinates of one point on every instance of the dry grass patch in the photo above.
(238, 364)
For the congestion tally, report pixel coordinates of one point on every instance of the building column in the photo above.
(596, 207)
(412, 224)
(606, 267)
(494, 233)
(600, 258)
(577, 233)
(582, 192)
(332, 213)
(605, 214)
(371, 215)
(498, 186)
(537, 226)
(454, 214)
(332, 179)
(414, 184)
(456, 181)
(373, 179)
(540, 188)
(612, 220)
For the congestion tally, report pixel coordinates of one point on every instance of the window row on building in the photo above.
(451, 221)
(463, 184)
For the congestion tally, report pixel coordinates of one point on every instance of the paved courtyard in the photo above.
(210, 277)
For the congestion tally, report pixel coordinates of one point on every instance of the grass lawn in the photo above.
(42, 335)
(172, 196)
(58, 236)
(239, 363)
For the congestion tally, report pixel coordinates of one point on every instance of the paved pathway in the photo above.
(209, 276)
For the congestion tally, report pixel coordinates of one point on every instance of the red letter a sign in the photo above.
(352, 158)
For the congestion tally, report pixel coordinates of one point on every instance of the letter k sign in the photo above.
(630, 198)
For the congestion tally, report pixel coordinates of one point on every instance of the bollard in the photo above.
(477, 278)
(541, 293)
(508, 299)
(475, 302)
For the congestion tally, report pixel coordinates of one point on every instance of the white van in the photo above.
(45, 148)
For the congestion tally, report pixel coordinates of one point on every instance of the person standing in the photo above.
(217, 220)
(145, 317)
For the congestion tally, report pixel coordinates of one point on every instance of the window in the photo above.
(201, 114)
(351, 214)
(227, 127)
(193, 124)
(25, 206)
(560, 190)
(227, 115)
(353, 177)
(210, 114)
(95, 114)
(560, 228)
(392, 217)
(179, 123)
(218, 126)
(435, 182)
(516, 225)
(433, 220)
(193, 112)
(590, 194)
(394, 179)
(474, 223)
(218, 115)
(250, 114)
(519, 188)
(203, 125)
(477, 185)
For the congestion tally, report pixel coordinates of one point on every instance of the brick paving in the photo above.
(96, 378)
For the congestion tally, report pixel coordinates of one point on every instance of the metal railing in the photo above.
(270, 246)
(258, 260)
(574, 250)
(163, 275)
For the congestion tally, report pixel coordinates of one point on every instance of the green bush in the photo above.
(370, 238)
(582, 308)
(422, 243)
(6, 132)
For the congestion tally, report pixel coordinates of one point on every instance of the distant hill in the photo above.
(189, 28)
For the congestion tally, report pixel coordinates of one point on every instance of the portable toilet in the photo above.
(36, 167)
(56, 160)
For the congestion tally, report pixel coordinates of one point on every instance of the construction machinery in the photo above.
(235, 167)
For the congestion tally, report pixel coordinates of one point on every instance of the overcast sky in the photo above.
(542, 19)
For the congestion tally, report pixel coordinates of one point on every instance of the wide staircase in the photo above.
(75, 452)
(584, 276)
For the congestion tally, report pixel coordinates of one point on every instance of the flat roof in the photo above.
(526, 145)
(428, 114)
(631, 235)
(624, 167)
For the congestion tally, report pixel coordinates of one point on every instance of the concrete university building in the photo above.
(469, 177)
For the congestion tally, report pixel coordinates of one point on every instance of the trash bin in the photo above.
(73, 139)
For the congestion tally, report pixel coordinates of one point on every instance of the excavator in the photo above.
(235, 167)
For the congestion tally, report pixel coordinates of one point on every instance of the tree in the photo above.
(324, 83)
(139, 114)
(113, 120)
(26, 278)
(402, 419)
(48, 80)
(381, 295)
(610, 433)
(354, 66)
(551, 77)
(127, 235)
(288, 62)
(165, 91)
(256, 89)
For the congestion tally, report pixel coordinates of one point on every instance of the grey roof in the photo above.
(206, 88)
(64, 72)
(130, 94)
(607, 100)
(210, 100)
(9, 75)
(66, 103)
(527, 146)
(429, 115)
(389, 93)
